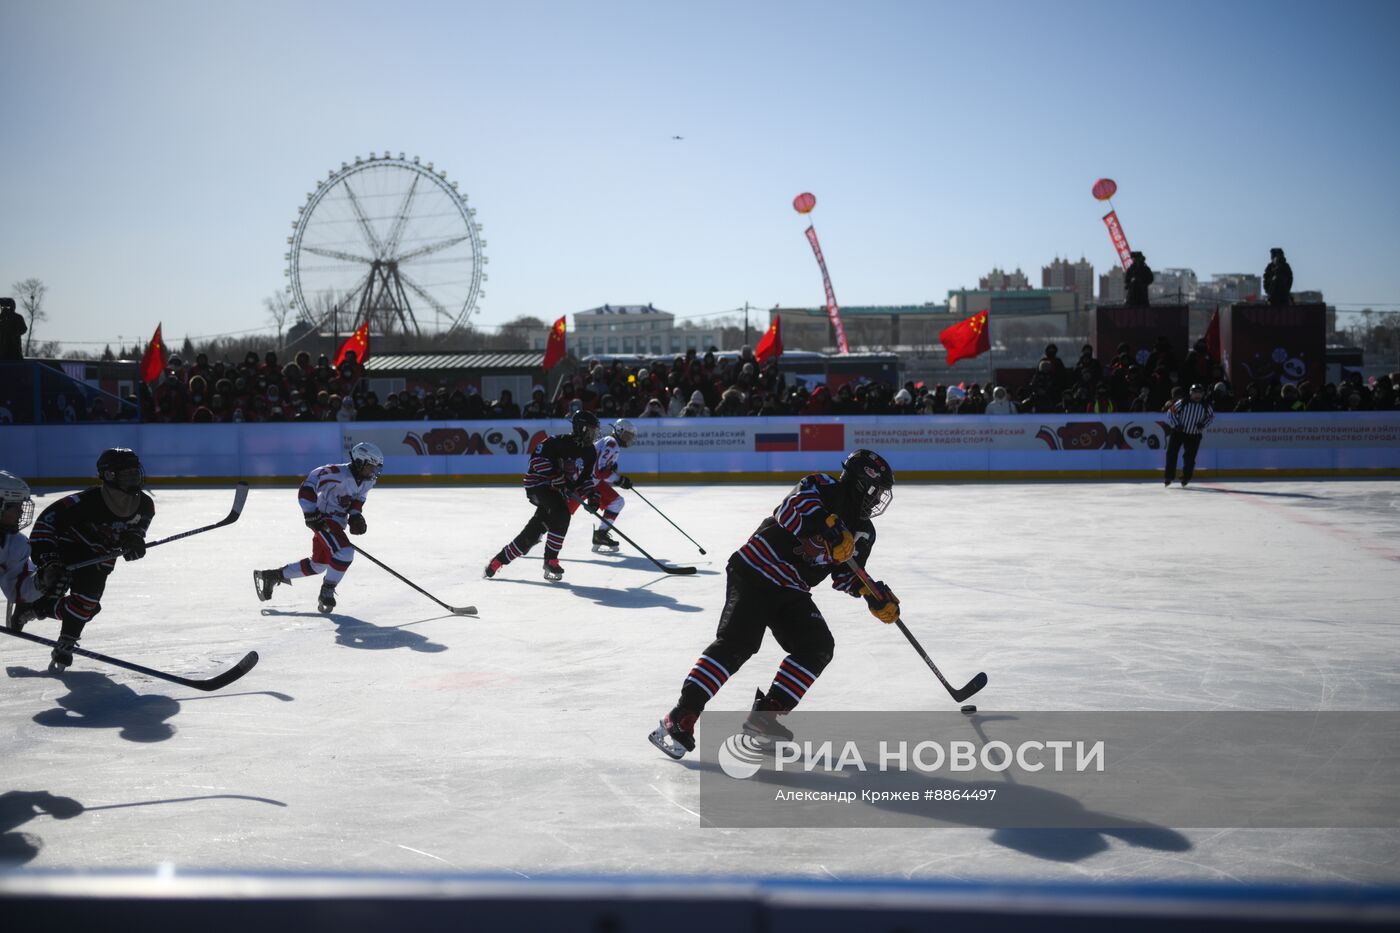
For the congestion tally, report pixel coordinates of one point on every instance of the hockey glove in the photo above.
(316, 521)
(883, 603)
(837, 540)
(624, 481)
(357, 524)
(52, 577)
(133, 545)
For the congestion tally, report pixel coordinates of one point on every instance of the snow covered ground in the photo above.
(393, 737)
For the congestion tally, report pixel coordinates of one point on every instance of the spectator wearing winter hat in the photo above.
(696, 408)
(538, 406)
(1000, 403)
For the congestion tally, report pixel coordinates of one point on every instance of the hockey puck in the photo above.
(969, 708)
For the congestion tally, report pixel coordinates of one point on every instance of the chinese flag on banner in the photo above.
(967, 338)
(153, 360)
(771, 346)
(359, 342)
(823, 437)
(555, 350)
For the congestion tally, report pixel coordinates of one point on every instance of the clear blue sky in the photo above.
(154, 154)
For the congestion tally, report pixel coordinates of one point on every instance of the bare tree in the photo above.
(278, 309)
(30, 294)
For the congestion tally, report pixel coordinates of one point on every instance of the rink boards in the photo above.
(973, 447)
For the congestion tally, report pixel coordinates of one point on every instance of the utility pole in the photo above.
(746, 325)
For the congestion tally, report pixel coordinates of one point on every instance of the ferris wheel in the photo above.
(389, 241)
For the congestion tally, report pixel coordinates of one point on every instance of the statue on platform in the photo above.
(1137, 277)
(1278, 279)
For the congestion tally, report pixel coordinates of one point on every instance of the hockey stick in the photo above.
(455, 610)
(216, 682)
(665, 568)
(973, 685)
(240, 496)
(663, 515)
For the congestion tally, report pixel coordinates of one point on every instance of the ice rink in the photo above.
(391, 736)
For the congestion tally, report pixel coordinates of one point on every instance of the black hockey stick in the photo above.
(216, 682)
(455, 610)
(665, 568)
(663, 515)
(240, 496)
(973, 685)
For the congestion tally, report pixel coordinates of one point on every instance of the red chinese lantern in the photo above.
(1105, 188)
(804, 203)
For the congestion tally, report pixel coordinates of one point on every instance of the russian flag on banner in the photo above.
(770, 443)
(824, 436)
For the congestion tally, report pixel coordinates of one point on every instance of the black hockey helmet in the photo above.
(121, 468)
(869, 480)
(585, 425)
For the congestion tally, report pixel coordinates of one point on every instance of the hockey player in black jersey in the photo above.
(111, 517)
(560, 466)
(819, 525)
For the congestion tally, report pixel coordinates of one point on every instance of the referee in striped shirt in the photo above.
(1188, 417)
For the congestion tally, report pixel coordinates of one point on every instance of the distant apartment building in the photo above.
(874, 327)
(965, 302)
(1173, 286)
(1230, 287)
(1078, 277)
(1112, 289)
(999, 280)
(635, 329)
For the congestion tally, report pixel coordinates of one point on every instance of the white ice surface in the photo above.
(393, 737)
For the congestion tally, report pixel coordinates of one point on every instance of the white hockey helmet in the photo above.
(367, 460)
(624, 431)
(15, 492)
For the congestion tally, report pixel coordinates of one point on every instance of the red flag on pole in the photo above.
(771, 346)
(359, 342)
(556, 349)
(154, 359)
(966, 338)
(1213, 336)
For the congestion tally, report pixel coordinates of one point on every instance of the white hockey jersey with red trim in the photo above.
(333, 490)
(605, 468)
(17, 570)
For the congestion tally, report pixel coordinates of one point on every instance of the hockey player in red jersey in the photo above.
(561, 467)
(110, 518)
(819, 525)
(19, 578)
(332, 501)
(605, 477)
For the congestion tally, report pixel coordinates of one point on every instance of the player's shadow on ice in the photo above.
(95, 701)
(351, 632)
(1038, 804)
(18, 807)
(633, 598)
(631, 562)
(1237, 491)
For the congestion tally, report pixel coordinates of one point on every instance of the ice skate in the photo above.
(604, 543)
(553, 570)
(264, 581)
(763, 724)
(326, 602)
(674, 736)
(492, 568)
(62, 656)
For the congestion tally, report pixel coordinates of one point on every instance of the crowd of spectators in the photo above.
(263, 389)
